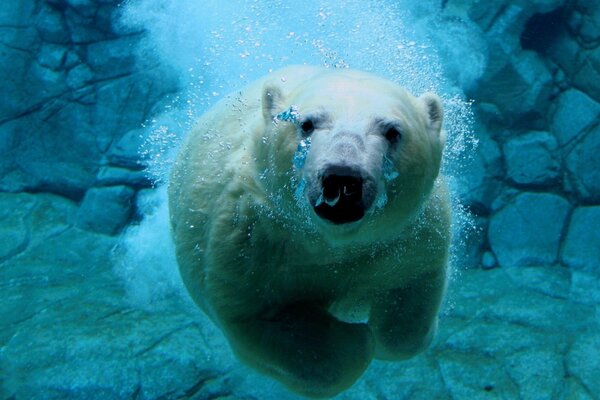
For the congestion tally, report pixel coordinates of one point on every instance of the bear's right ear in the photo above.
(272, 101)
(435, 112)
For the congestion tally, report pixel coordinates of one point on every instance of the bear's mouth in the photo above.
(343, 198)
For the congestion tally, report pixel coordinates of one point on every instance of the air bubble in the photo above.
(289, 115)
(389, 170)
(301, 153)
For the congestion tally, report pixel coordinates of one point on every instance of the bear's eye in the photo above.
(393, 135)
(307, 127)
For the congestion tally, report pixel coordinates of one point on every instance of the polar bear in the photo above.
(311, 223)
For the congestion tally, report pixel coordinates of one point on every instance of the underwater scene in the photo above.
(245, 199)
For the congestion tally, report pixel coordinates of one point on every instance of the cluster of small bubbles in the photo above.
(460, 142)
(156, 151)
(290, 115)
(301, 153)
(389, 170)
(381, 200)
(299, 192)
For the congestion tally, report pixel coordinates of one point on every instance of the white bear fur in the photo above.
(269, 271)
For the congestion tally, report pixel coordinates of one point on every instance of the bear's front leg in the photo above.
(404, 320)
(305, 348)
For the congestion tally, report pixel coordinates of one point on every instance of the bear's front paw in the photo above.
(401, 344)
(306, 349)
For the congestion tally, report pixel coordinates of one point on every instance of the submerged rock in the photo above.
(68, 328)
(106, 209)
(482, 180)
(532, 159)
(583, 360)
(518, 84)
(527, 231)
(582, 165)
(581, 249)
(112, 176)
(573, 112)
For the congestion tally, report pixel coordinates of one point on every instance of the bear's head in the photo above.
(354, 144)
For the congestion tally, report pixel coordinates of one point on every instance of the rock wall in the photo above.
(536, 171)
(74, 96)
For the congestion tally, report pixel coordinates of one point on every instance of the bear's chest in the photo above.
(292, 269)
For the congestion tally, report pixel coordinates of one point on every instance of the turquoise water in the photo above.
(98, 95)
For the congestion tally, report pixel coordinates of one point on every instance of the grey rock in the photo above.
(507, 20)
(565, 52)
(82, 27)
(554, 281)
(465, 380)
(69, 179)
(573, 389)
(532, 159)
(519, 84)
(112, 176)
(488, 260)
(125, 152)
(51, 25)
(581, 247)
(14, 231)
(467, 295)
(469, 238)
(583, 23)
(50, 83)
(86, 8)
(94, 348)
(109, 58)
(16, 13)
(106, 210)
(493, 339)
(573, 112)
(79, 76)
(52, 56)
(51, 216)
(583, 360)
(54, 135)
(580, 65)
(527, 231)
(585, 288)
(587, 77)
(480, 184)
(55, 149)
(543, 312)
(536, 372)
(72, 59)
(125, 103)
(382, 382)
(582, 165)
(8, 140)
(19, 44)
(472, 50)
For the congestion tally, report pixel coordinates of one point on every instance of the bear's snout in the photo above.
(344, 196)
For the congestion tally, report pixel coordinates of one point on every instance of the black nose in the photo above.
(341, 188)
(341, 198)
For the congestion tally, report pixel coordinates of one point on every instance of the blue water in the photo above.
(88, 313)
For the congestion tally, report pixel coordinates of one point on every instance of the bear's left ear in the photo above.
(435, 113)
(272, 101)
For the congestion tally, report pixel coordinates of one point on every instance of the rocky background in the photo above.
(522, 317)
(74, 98)
(535, 182)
